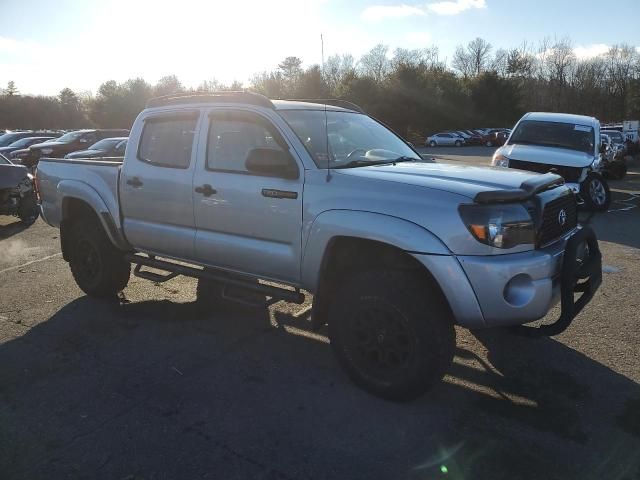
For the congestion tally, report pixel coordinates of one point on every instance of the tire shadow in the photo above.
(150, 389)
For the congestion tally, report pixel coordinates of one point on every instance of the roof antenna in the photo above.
(326, 120)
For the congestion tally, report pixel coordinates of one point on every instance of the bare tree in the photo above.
(500, 63)
(336, 70)
(375, 63)
(462, 62)
(473, 59)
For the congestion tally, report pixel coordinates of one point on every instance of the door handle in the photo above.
(135, 182)
(206, 190)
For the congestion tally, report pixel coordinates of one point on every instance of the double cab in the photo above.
(274, 197)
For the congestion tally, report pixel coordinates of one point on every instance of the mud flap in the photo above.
(581, 274)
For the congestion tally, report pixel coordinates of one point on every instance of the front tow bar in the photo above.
(580, 274)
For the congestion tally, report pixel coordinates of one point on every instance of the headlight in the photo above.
(500, 160)
(47, 151)
(500, 226)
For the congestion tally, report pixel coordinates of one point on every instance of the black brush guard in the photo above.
(581, 274)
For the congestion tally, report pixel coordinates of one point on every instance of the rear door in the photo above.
(445, 139)
(156, 185)
(246, 222)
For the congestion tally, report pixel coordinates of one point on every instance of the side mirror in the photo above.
(271, 162)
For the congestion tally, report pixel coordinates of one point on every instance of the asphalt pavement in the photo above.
(152, 388)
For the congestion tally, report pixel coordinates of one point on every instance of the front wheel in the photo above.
(488, 143)
(432, 143)
(28, 210)
(458, 143)
(595, 192)
(391, 332)
(98, 268)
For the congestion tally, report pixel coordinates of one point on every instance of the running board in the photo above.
(174, 269)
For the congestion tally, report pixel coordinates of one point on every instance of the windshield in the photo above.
(554, 134)
(70, 137)
(8, 138)
(106, 144)
(25, 142)
(351, 137)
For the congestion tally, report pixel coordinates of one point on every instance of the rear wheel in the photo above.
(595, 192)
(392, 333)
(98, 268)
(488, 143)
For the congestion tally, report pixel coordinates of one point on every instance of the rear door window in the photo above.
(168, 141)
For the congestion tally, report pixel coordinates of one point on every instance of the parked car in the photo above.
(24, 156)
(17, 192)
(444, 139)
(617, 141)
(11, 137)
(25, 142)
(614, 166)
(108, 147)
(472, 137)
(566, 144)
(396, 251)
(495, 137)
(73, 141)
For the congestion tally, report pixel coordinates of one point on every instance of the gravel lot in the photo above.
(151, 389)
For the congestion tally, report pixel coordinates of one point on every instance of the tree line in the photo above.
(416, 91)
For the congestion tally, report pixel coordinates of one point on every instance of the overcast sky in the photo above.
(46, 45)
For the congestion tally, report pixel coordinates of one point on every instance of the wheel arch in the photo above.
(78, 204)
(345, 240)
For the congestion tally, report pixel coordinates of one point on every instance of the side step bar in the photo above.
(174, 269)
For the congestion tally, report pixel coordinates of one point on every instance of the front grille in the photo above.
(551, 227)
(570, 174)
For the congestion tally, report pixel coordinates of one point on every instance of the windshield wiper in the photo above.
(368, 163)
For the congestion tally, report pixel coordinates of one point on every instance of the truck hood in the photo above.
(459, 179)
(39, 146)
(547, 155)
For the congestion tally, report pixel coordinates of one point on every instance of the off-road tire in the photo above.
(28, 210)
(99, 268)
(404, 313)
(586, 193)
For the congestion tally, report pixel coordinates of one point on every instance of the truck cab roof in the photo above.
(561, 118)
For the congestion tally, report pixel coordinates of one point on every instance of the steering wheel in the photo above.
(354, 152)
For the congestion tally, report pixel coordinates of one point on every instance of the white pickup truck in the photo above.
(235, 190)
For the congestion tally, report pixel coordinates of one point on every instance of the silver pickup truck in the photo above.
(271, 197)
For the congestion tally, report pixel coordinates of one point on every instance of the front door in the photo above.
(246, 222)
(156, 186)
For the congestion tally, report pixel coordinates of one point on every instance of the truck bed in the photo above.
(99, 177)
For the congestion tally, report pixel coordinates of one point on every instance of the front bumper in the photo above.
(507, 290)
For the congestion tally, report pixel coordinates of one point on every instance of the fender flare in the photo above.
(383, 228)
(73, 189)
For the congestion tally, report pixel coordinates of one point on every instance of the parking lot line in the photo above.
(30, 263)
